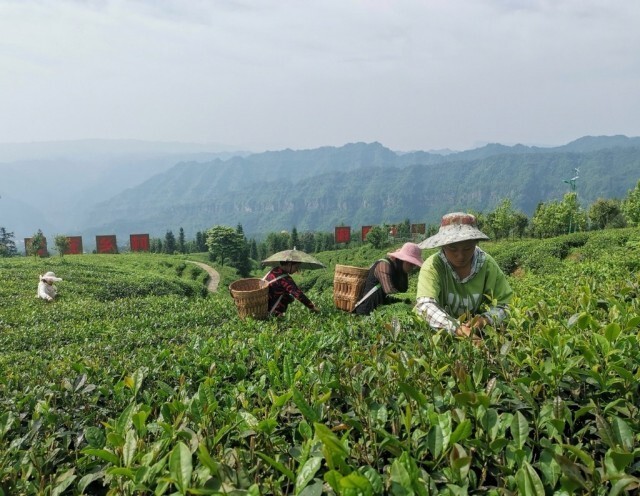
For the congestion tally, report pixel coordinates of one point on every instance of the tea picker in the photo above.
(388, 276)
(282, 288)
(46, 290)
(461, 288)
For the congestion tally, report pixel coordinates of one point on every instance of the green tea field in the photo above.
(136, 380)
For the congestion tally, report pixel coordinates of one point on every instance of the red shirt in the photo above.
(283, 291)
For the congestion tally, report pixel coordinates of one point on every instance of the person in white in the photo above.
(46, 290)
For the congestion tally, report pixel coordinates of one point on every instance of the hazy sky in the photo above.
(272, 74)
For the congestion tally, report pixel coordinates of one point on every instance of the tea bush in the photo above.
(167, 392)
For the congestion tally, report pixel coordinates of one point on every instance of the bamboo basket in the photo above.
(251, 297)
(348, 283)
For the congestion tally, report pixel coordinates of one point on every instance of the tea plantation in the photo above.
(137, 381)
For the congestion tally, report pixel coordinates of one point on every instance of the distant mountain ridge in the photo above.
(362, 184)
(51, 185)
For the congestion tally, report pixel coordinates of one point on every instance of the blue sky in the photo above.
(274, 74)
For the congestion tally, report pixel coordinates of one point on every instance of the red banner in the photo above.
(75, 245)
(418, 228)
(343, 234)
(365, 231)
(106, 244)
(139, 242)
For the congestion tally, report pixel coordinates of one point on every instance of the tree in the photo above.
(253, 249)
(324, 241)
(7, 245)
(62, 244)
(404, 230)
(224, 243)
(377, 236)
(155, 245)
(169, 242)
(502, 220)
(308, 241)
(605, 213)
(240, 259)
(574, 216)
(181, 243)
(294, 241)
(631, 206)
(38, 243)
(555, 218)
(521, 221)
(277, 242)
(201, 241)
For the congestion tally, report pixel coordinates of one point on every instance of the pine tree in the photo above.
(169, 242)
(181, 243)
(7, 245)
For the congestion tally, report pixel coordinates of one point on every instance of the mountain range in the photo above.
(120, 190)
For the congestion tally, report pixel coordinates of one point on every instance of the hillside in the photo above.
(363, 184)
(122, 187)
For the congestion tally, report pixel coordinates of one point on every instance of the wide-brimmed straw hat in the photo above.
(410, 252)
(50, 276)
(304, 260)
(455, 227)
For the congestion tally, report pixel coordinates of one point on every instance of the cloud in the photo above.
(271, 74)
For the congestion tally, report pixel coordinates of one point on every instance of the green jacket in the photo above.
(437, 280)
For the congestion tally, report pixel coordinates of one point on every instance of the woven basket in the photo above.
(348, 283)
(251, 297)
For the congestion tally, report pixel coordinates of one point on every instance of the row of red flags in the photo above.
(104, 244)
(140, 242)
(343, 233)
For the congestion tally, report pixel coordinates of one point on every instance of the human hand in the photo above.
(477, 322)
(466, 331)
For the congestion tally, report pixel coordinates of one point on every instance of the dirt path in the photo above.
(214, 277)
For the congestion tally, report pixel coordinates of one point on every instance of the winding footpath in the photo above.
(214, 277)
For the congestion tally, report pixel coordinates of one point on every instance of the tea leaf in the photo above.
(63, 481)
(463, 431)
(129, 449)
(206, 460)
(356, 481)
(435, 441)
(334, 450)
(604, 431)
(624, 484)
(304, 407)
(528, 481)
(181, 466)
(617, 462)
(307, 472)
(622, 433)
(413, 393)
(520, 429)
(582, 456)
(612, 331)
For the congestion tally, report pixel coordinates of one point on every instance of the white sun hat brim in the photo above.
(455, 227)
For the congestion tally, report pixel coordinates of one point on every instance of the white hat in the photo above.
(50, 276)
(454, 227)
